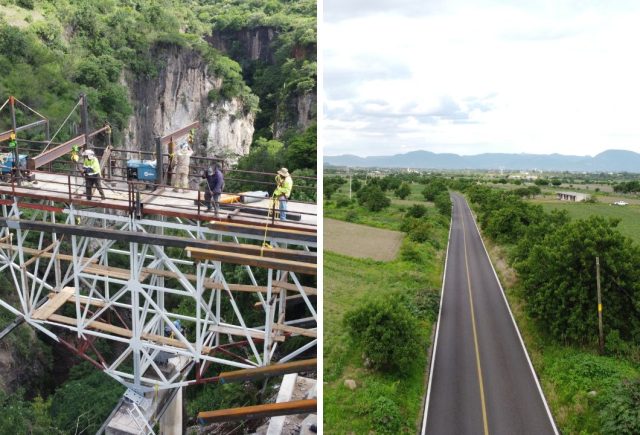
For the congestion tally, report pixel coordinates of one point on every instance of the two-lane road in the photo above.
(481, 379)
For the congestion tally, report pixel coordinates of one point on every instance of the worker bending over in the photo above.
(282, 193)
(91, 170)
(215, 184)
(183, 158)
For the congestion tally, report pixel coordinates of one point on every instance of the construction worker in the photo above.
(215, 184)
(91, 170)
(282, 193)
(182, 158)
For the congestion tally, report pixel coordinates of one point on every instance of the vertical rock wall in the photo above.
(177, 96)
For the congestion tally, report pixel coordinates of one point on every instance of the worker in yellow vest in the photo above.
(282, 193)
(92, 173)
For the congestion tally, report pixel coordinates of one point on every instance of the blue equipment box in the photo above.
(6, 164)
(143, 170)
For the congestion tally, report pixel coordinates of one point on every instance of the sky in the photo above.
(475, 76)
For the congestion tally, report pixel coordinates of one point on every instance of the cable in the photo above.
(62, 125)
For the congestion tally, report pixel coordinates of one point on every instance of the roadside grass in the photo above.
(629, 215)
(349, 282)
(569, 375)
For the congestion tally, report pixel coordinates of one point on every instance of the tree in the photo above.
(373, 198)
(443, 203)
(559, 278)
(403, 191)
(387, 332)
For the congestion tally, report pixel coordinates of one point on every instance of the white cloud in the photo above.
(494, 78)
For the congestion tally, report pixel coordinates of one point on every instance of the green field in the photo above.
(629, 215)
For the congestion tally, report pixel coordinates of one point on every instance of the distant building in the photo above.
(573, 196)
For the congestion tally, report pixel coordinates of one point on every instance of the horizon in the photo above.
(481, 153)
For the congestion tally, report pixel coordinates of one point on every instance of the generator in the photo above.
(142, 170)
(6, 162)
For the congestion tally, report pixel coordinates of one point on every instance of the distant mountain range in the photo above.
(607, 161)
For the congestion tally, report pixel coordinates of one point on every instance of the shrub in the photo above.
(403, 191)
(373, 198)
(342, 202)
(387, 332)
(621, 415)
(351, 216)
(417, 211)
(409, 252)
(443, 203)
(421, 231)
(386, 416)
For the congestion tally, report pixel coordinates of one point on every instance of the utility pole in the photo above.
(600, 332)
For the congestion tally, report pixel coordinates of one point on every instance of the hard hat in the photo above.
(284, 172)
(88, 153)
(210, 170)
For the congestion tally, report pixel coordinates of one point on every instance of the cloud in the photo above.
(336, 10)
(507, 78)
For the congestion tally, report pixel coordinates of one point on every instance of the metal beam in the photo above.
(270, 256)
(59, 151)
(306, 365)
(164, 140)
(5, 135)
(251, 260)
(258, 411)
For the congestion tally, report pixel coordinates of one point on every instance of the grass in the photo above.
(567, 374)
(347, 283)
(629, 215)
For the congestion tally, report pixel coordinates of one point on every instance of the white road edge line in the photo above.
(515, 325)
(435, 341)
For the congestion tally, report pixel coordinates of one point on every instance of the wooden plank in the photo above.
(251, 260)
(304, 365)
(294, 330)
(258, 411)
(53, 304)
(113, 272)
(213, 285)
(237, 331)
(123, 332)
(310, 291)
(39, 254)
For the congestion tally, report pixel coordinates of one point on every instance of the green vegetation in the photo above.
(629, 216)
(373, 312)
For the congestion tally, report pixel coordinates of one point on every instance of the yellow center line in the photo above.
(475, 334)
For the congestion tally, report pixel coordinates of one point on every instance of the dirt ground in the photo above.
(361, 241)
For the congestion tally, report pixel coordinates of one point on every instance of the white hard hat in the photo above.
(88, 153)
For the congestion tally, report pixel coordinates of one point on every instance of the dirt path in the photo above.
(361, 241)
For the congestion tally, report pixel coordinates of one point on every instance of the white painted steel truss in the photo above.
(132, 295)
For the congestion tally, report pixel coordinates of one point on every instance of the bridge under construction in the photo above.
(171, 291)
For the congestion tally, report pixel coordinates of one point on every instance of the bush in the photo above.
(621, 415)
(342, 202)
(386, 416)
(409, 252)
(373, 198)
(417, 211)
(421, 231)
(387, 331)
(403, 191)
(351, 216)
(443, 203)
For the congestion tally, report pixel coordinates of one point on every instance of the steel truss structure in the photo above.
(86, 276)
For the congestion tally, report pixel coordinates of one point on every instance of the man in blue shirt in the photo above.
(215, 184)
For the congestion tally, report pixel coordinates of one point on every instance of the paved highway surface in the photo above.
(481, 380)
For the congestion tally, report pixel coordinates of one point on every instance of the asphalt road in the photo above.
(481, 380)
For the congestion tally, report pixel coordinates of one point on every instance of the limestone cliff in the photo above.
(259, 45)
(177, 96)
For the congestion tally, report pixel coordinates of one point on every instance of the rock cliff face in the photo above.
(248, 44)
(258, 44)
(177, 96)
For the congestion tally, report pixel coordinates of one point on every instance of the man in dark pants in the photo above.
(215, 184)
(91, 169)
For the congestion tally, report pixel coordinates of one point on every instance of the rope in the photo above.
(5, 103)
(62, 125)
(266, 227)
